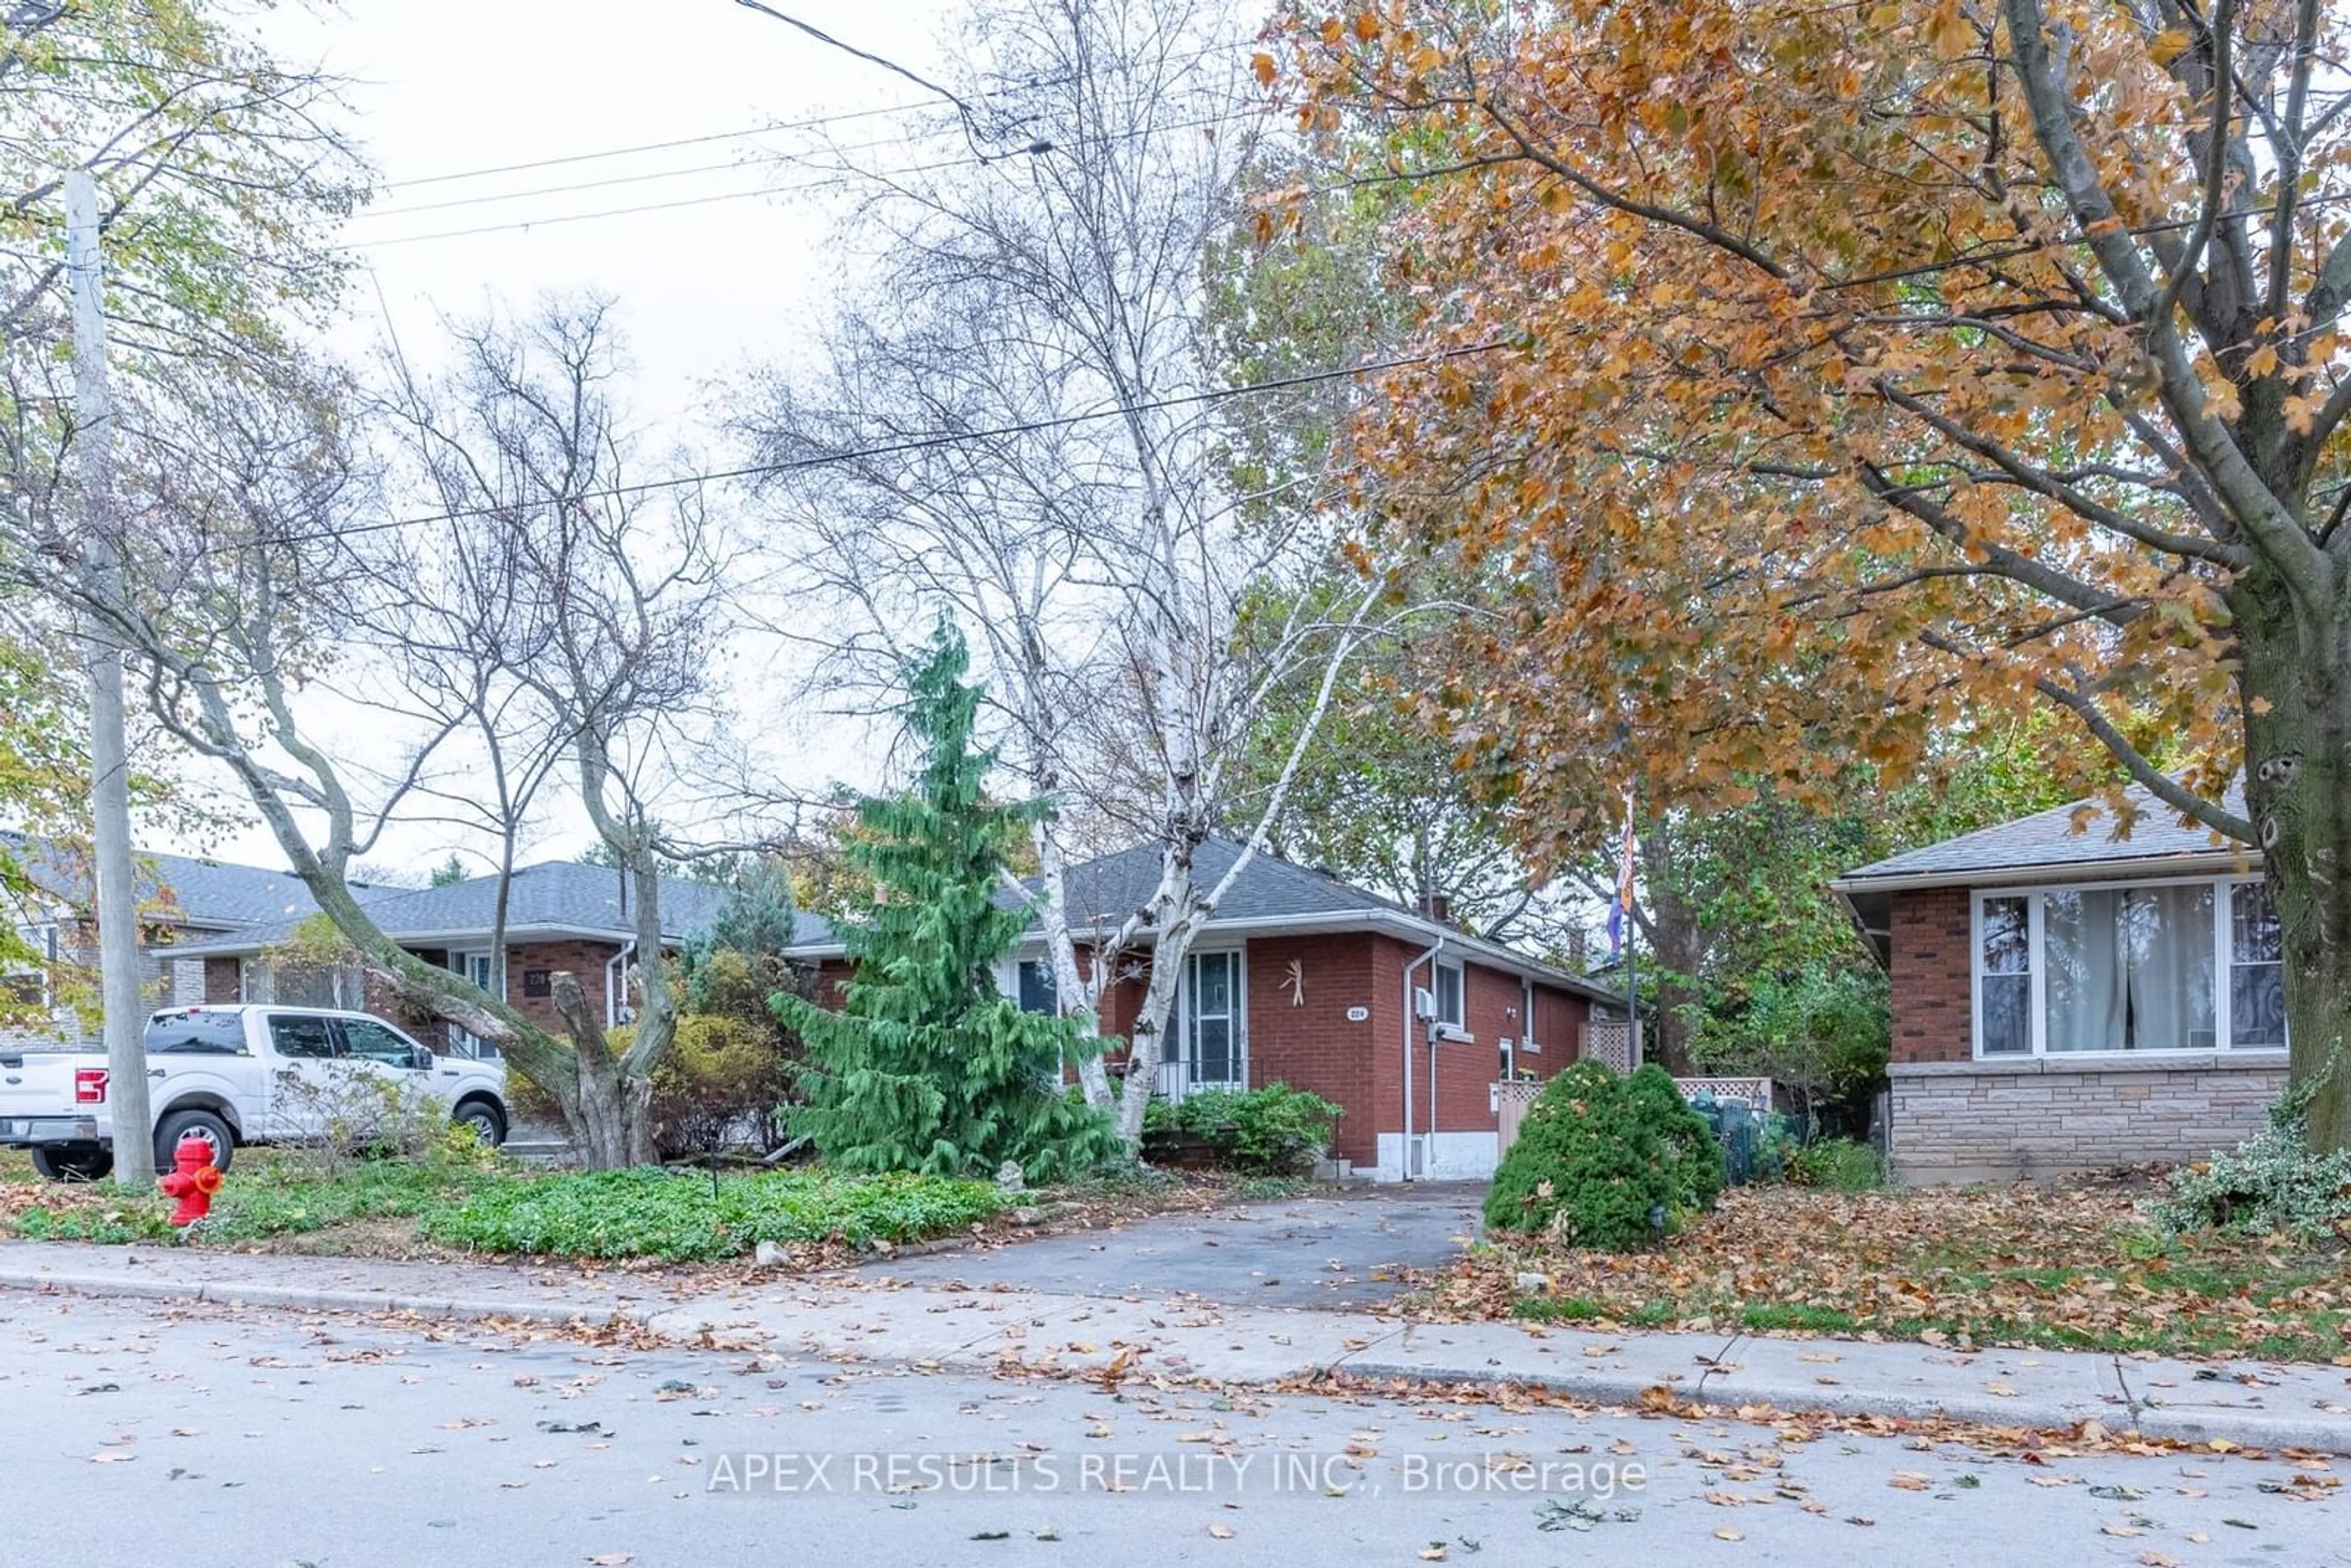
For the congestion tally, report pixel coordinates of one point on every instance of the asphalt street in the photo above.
(1331, 1250)
(139, 1432)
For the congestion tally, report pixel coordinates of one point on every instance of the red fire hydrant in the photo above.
(194, 1179)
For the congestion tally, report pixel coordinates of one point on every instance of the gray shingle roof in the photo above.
(1106, 890)
(551, 897)
(208, 895)
(2053, 838)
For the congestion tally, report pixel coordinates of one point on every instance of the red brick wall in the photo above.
(224, 981)
(586, 960)
(1559, 1018)
(1466, 1070)
(1309, 1044)
(1931, 972)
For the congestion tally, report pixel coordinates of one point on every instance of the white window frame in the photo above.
(1238, 1016)
(462, 961)
(2037, 1023)
(1461, 972)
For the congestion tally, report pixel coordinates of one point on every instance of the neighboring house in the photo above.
(183, 901)
(1302, 979)
(2066, 1000)
(560, 914)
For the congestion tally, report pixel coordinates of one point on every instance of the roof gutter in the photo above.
(1494, 953)
(2188, 864)
(517, 936)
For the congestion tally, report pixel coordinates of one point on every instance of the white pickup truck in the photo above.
(249, 1073)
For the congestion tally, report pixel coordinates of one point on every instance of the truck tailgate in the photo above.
(40, 1082)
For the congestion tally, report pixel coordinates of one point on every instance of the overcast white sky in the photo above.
(727, 262)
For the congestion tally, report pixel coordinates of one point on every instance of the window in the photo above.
(2128, 968)
(2256, 971)
(2164, 966)
(1214, 1019)
(2004, 977)
(297, 985)
(1036, 989)
(295, 1035)
(29, 986)
(1451, 992)
(377, 1042)
(476, 967)
(197, 1031)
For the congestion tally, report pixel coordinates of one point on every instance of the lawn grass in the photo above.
(2072, 1268)
(652, 1213)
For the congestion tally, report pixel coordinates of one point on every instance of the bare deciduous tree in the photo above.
(1022, 423)
(273, 579)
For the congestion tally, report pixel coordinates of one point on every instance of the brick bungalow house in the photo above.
(183, 901)
(2063, 999)
(560, 914)
(1398, 1017)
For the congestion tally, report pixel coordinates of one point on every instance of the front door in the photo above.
(1211, 1039)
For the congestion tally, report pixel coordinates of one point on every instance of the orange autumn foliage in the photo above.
(1811, 381)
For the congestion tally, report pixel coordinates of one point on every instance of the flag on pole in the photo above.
(1621, 909)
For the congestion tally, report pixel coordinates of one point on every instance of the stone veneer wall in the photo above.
(1997, 1121)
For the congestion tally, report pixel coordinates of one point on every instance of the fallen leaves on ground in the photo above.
(2075, 1266)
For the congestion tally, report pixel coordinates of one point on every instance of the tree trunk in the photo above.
(2297, 703)
(610, 1108)
(1677, 947)
(1147, 1049)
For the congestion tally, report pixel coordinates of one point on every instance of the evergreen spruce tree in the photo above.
(926, 1066)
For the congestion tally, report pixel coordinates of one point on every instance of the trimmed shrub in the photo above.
(1836, 1165)
(1273, 1131)
(721, 1085)
(1598, 1156)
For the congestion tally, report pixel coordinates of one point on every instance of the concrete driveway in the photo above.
(1343, 1249)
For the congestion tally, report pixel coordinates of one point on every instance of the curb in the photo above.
(2252, 1429)
(1606, 1389)
(297, 1297)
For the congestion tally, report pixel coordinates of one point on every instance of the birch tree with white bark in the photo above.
(1021, 419)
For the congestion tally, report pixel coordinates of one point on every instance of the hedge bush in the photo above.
(722, 1082)
(1273, 1131)
(1838, 1165)
(1598, 1155)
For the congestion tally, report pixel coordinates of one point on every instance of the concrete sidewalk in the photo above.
(940, 1326)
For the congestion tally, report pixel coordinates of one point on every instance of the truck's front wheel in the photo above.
(205, 1124)
(73, 1162)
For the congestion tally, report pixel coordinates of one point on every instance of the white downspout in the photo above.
(1411, 1017)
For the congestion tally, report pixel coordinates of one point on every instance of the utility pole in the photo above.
(109, 764)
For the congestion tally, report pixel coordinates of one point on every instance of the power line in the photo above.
(1039, 148)
(642, 207)
(916, 443)
(402, 212)
(761, 130)
(763, 160)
